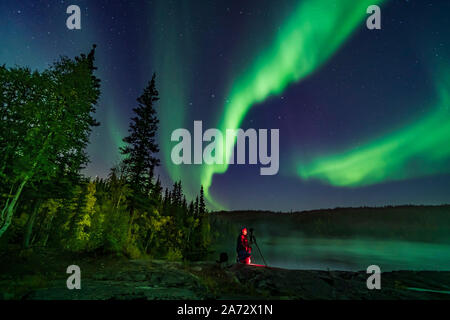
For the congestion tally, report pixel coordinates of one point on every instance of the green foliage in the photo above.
(132, 251)
(174, 254)
(45, 122)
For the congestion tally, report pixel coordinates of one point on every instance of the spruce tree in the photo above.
(201, 205)
(191, 209)
(157, 191)
(166, 202)
(141, 148)
(196, 210)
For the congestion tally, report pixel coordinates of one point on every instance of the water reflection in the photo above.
(349, 254)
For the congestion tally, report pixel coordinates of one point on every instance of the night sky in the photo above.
(363, 114)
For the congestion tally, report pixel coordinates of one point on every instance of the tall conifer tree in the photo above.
(141, 146)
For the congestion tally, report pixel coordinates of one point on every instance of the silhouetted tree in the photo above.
(201, 204)
(141, 147)
(196, 209)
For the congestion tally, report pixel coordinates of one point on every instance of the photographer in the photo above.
(243, 248)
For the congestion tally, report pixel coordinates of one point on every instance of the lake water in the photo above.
(349, 254)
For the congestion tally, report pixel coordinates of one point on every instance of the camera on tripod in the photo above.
(252, 237)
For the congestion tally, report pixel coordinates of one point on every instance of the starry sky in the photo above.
(363, 114)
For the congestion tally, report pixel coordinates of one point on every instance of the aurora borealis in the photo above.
(363, 114)
(419, 149)
(308, 38)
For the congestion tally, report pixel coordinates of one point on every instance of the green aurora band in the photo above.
(314, 31)
(419, 149)
(173, 57)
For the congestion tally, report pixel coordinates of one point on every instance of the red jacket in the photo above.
(243, 244)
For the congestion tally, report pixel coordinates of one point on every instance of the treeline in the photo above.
(45, 122)
(408, 223)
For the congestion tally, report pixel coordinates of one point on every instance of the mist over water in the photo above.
(347, 239)
(351, 254)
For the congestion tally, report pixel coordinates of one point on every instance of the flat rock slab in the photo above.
(316, 284)
(43, 277)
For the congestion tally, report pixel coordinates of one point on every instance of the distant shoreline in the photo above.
(402, 206)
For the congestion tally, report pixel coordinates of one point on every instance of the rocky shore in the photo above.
(110, 278)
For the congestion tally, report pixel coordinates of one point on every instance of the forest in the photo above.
(46, 118)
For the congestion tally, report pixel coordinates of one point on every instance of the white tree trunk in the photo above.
(8, 210)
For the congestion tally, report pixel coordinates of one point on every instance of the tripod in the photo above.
(253, 239)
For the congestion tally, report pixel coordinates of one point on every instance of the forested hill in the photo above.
(414, 223)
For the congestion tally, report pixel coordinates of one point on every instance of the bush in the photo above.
(174, 254)
(132, 251)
